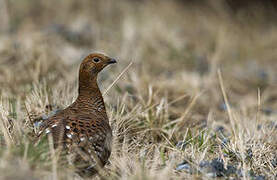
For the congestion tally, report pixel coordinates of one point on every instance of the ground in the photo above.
(199, 100)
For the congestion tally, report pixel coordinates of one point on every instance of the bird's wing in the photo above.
(91, 134)
(56, 126)
(87, 135)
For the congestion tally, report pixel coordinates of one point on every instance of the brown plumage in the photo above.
(83, 129)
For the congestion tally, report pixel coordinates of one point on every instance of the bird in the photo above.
(82, 130)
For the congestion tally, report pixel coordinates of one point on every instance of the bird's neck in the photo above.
(88, 86)
(90, 96)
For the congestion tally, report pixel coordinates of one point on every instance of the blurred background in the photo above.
(177, 48)
(179, 43)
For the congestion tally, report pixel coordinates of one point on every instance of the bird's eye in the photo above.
(96, 60)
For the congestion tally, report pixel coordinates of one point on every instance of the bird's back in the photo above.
(85, 135)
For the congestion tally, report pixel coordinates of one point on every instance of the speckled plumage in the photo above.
(83, 129)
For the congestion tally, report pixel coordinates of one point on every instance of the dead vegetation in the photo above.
(199, 101)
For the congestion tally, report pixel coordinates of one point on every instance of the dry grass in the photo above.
(199, 76)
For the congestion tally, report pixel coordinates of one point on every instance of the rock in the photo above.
(203, 164)
(218, 167)
(184, 166)
(231, 170)
(260, 177)
(213, 169)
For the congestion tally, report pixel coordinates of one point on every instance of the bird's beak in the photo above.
(111, 61)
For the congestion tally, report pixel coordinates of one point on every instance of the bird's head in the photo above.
(92, 65)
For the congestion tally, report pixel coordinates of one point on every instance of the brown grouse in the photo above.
(83, 129)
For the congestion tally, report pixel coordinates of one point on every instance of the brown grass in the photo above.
(195, 70)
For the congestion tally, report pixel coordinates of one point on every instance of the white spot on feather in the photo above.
(54, 125)
(47, 131)
(67, 127)
(69, 136)
(82, 138)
